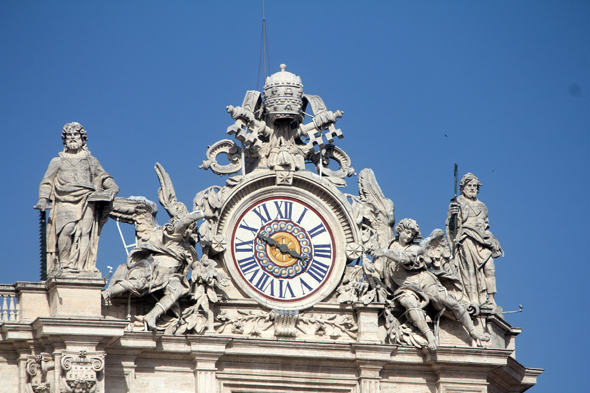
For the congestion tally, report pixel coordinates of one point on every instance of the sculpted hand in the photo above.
(454, 208)
(41, 205)
(376, 252)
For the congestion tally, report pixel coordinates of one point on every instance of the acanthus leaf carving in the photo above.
(287, 324)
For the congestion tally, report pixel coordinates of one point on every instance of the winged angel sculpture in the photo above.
(406, 273)
(162, 259)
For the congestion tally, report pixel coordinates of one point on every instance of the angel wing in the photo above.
(139, 211)
(435, 239)
(437, 256)
(167, 195)
(376, 209)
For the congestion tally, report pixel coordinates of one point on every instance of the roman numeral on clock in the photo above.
(318, 270)
(248, 264)
(262, 212)
(284, 288)
(317, 230)
(302, 215)
(322, 250)
(247, 246)
(248, 228)
(260, 284)
(284, 209)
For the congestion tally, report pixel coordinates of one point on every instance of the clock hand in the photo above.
(283, 247)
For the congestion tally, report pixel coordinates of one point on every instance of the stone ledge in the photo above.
(97, 327)
(15, 331)
(514, 376)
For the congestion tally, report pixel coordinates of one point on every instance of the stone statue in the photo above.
(163, 254)
(273, 134)
(474, 247)
(79, 193)
(375, 217)
(413, 286)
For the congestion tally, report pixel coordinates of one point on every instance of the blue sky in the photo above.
(502, 88)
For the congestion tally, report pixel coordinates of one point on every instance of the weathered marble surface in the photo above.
(215, 307)
(163, 255)
(79, 193)
(474, 246)
(120, 360)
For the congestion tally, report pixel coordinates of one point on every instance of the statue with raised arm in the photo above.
(475, 247)
(406, 274)
(163, 255)
(79, 193)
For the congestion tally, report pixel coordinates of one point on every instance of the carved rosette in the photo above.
(80, 371)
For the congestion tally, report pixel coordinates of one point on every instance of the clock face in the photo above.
(283, 250)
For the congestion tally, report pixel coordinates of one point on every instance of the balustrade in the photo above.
(8, 303)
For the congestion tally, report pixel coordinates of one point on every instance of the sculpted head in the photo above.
(470, 185)
(74, 136)
(407, 229)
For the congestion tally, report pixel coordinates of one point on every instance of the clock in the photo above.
(285, 245)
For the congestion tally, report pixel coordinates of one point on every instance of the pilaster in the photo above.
(370, 359)
(24, 351)
(58, 350)
(206, 350)
(124, 353)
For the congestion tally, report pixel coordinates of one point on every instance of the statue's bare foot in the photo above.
(432, 344)
(150, 321)
(479, 336)
(106, 299)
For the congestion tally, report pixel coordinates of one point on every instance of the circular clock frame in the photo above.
(328, 207)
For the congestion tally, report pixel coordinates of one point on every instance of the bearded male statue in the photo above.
(79, 193)
(475, 247)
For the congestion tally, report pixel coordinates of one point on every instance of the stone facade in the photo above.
(287, 285)
(324, 354)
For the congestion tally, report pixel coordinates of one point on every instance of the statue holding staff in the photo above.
(474, 246)
(79, 193)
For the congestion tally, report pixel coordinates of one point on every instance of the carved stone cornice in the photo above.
(96, 327)
(515, 377)
(15, 331)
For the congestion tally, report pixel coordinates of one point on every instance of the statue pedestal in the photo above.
(368, 321)
(74, 296)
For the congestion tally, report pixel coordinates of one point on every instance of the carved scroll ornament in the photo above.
(81, 372)
(37, 370)
(233, 152)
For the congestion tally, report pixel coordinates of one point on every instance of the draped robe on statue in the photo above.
(475, 245)
(71, 184)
